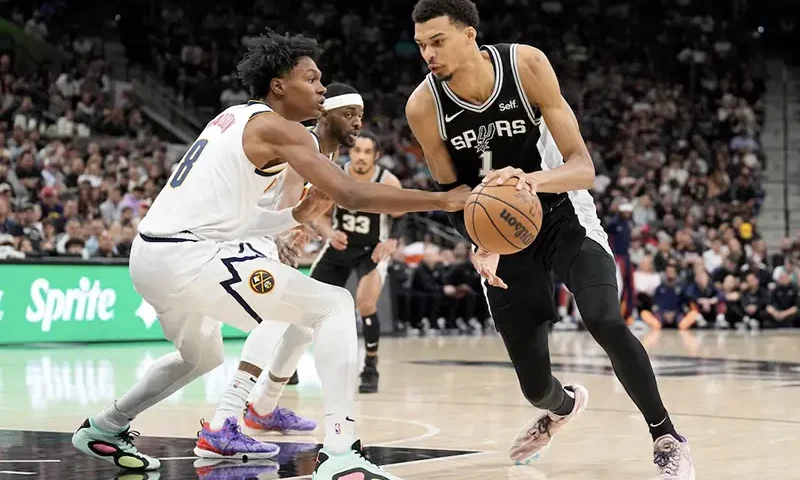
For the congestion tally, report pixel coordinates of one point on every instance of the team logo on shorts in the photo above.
(261, 281)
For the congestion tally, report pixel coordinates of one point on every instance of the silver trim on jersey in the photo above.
(526, 104)
(438, 102)
(498, 86)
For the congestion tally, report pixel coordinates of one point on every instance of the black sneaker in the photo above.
(369, 380)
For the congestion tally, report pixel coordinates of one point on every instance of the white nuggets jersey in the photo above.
(215, 190)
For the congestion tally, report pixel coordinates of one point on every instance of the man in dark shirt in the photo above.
(782, 310)
(619, 232)
(753, 301)
(667, 300)
(427, 287)
(7, 225)
(703, 299)
(460, 297)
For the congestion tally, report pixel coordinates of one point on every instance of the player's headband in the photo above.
(346, 100)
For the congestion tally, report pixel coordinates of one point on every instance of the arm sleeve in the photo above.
(270, 222)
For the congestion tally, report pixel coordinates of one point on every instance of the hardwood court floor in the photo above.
(447, 409)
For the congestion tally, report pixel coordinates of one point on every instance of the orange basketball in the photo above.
(502, 219)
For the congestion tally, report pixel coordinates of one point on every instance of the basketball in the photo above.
(502, 219)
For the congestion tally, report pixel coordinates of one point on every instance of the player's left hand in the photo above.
(525, 180)
(384, 250)
(290, 245)
(485, 264)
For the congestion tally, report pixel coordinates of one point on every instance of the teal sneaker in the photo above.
(353, 465)
(116, 448)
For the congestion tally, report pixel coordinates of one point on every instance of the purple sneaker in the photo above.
(281, 420)
(230, 442)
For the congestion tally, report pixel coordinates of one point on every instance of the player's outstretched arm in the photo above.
(542, 89)
(269, 137)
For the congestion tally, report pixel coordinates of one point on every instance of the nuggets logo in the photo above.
(261, 281)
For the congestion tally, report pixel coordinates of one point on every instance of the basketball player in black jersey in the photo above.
(496, 112)
(360, 242)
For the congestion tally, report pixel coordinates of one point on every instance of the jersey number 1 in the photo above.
(187, 163)
(486, 163)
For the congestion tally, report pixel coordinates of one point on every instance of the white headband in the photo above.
(346, 100)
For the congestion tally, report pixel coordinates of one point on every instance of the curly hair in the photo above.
(272, 55)
(461, 12)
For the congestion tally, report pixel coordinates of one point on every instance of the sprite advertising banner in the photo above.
(75, 303)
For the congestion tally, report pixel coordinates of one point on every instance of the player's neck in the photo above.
(278, 107)
(328, 144)
(474, 81)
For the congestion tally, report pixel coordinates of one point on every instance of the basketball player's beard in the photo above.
(361, 171)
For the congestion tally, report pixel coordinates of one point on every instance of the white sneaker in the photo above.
(352, 465)
(673, 459)
(535, 437)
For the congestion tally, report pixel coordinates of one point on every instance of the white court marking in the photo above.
(430, 430)
(14, 472)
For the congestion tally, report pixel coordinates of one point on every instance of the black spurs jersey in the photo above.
(363, 229)
(506, 130)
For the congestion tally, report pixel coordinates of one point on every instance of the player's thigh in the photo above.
(242, 288)
(592, 265)
(529, 296)
(331, 273)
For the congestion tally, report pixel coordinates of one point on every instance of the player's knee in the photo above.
(204, 353)
(340, 303)
(600, 310)
(299, 336)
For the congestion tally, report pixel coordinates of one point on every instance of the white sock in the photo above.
(268, 400)
(235, 397)
(294, 342)
(340, 434)
(111, 419)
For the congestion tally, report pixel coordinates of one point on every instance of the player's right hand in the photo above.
(314, 204)
(485, 264)
(338, 240)
(455, 199)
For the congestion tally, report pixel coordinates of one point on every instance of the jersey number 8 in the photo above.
(187, 163)
(357, 224)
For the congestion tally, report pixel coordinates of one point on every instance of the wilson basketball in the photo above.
(502, 219)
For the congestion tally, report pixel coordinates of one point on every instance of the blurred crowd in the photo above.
(668, 94)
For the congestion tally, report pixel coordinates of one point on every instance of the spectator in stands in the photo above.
(782, 310)
(7, 225)
(703, 301)
(753, 303)
(668, 306)
(460, 297)
(427, 286)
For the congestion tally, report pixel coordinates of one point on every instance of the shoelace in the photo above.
(128, 436)
(285, 414)
(542, 427)
(667, 461)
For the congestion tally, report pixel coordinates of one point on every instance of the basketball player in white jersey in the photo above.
(278, 344)
(192, 261)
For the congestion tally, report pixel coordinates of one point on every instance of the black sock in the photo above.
(371, 361)
(372, 332)
(567, 404)
(662, 428)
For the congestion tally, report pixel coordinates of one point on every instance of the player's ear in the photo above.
(276, 86)
(472, 34)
